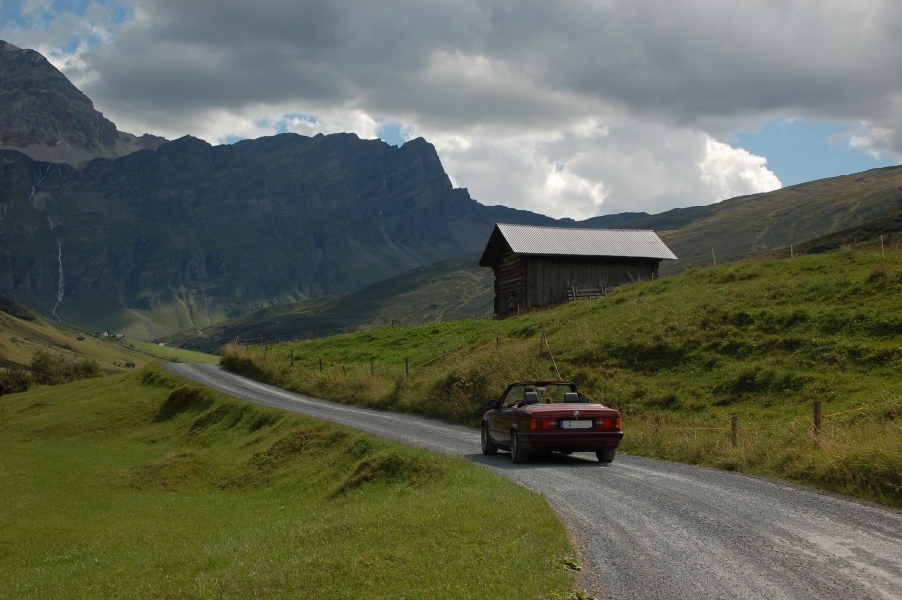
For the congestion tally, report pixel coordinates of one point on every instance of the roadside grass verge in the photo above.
(677, 356)
(142, 486)
(169, 353)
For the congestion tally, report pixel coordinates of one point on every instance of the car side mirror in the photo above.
(493, 404)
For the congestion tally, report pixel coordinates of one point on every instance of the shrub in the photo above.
(13, 381)
(53, 369)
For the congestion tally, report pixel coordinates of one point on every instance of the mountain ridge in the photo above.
(190, 234)
(43, 115)
(187, 234)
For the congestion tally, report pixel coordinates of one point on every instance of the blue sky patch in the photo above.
(390, 133)
(798, 150)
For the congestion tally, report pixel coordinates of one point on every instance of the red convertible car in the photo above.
(536, 416)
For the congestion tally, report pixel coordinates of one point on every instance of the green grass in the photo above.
(140, 486)
(677, 356)
(170, 353)
(452, 289)
(22, 333)
(748, 226)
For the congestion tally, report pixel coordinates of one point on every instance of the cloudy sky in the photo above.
(569, 108)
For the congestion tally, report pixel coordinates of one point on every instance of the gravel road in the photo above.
(654, 529)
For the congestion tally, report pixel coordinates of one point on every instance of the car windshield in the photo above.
(551, 393)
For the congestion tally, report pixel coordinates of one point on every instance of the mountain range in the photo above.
(47, 118)
(151, 237)
(187, 234)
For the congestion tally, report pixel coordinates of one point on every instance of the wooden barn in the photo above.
(542, 266)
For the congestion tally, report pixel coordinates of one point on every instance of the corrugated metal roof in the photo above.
(637, 243)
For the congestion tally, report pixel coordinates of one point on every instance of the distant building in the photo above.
(80, 338)
(543, 266)
(119, 336)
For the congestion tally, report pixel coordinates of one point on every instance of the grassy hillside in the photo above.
(141, 486)
(813, 216)
(677, 356)
(867, 235)
(22, 332)
(751, 225)
(453, 289)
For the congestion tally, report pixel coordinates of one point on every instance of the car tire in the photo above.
(606, 456)
(518, 454)
(488, 446)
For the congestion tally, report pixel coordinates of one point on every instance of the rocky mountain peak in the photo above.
(43, 115)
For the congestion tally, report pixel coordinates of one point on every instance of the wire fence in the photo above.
(543, 347)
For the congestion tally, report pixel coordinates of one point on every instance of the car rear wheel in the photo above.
(606, 456)
(518, 454)
(488, 446)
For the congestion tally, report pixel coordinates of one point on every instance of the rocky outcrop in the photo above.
(217, 231)
(104, 229)
(46, 117)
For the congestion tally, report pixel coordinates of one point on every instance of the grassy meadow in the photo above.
(677, 356)
(452, 289)
(139, 485)
(23, 332)
(748, 226)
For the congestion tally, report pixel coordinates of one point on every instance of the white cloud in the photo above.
(730, 172)
(630, 95)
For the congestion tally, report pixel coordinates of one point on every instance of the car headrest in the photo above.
(571, 397)
(531, 398)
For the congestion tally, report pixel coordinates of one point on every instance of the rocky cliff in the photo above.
(148, 237)
(46, 117)
(191, 234)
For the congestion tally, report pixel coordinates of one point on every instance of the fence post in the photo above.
(315, 333)
(497, 342)
(733, 428)
(372, 370)
(320, 365)
(817, 421)
(292, 358)
(406, 369)
(343, 371)
(541, 345)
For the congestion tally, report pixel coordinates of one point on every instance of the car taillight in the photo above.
(543, 424)
(608, 423)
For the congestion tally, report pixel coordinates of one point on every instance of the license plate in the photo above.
(576, 424)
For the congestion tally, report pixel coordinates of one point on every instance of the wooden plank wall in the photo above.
(510, 283)
(547, 277)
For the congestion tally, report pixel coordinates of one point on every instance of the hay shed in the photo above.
(543, 266)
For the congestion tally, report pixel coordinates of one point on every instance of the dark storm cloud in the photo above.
(683, 62)
(692, 60)
(554, 105)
